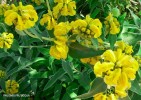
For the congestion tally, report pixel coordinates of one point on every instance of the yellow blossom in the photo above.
(88, 27)
(117, 69)
(62, 29)
(125, 47)
(49, 20)
(23, 17)
(101, 68)
(59, 50)
(11, 87)
(109, 56)
(100, 96)
(6, 40)
(105, 96)
(112, 24)
(64, 7)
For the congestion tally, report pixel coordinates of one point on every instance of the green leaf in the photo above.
(67, 68)
(78, 51)
(95, 12)
(95, 43)
(97, 86)
(54, 78)
(136, 19)
(15, 45)
(34, 85)
(57, 92)
(112, 40)
(84, 80)
(44, 51)
(35, 74)
(135, 87)
(125, 98)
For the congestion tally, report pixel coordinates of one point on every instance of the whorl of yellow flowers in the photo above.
(23, 17)
(11, 87)
(88, 28)
(6, 40)
(117, 69)
(64, 8)
(60, 49)
(112, 24)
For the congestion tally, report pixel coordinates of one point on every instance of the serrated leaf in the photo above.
(54, 78)
(78, 51)
(67, 68)
(97, 86)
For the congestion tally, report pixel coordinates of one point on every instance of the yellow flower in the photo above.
(125, 47)
(117, 69)
(101, 68)
(64, 7)
(11, 87)
(100, 96)
(112, 24)
(109, 56)
(120, 93)
(49, 20)
(88, 27)
(59, 50)
(105, 96)
(2, 73)
(113, 77)
(62, 29)
(23, 17)
(6, 40)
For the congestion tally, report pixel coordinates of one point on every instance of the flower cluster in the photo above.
(88, 28)
(117, 69)
(6, 40)
(64, 7)
(11, 87)
(2, 73)
(124, 47)
(112, 24)
(60, 49)
(23, 17)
